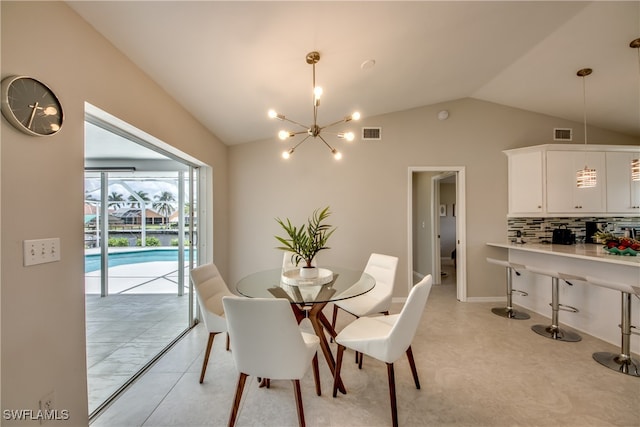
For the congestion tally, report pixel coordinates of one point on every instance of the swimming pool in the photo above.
(92, 261)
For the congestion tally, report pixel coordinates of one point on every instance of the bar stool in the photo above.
(508, 311)
(622, 362)
(553, 331)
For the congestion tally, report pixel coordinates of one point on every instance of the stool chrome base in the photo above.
(510, 313)
(556, 333)
(618, 362)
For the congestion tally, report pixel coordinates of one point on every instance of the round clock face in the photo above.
(31, 106)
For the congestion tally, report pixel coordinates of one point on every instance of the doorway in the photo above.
(141, 241)
(437, 225)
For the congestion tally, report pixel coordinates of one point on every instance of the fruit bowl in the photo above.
(617, 251)
(622, 246)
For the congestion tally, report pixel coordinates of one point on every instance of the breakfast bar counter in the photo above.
(590, 252)
(599, 308)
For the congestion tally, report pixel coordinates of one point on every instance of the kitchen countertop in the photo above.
(589, 251)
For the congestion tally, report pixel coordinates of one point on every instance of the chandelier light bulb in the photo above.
(283, 134)
(336, 154)
(355, 116)
(287, 154)
(349, 136)
(317, 92)
(272, 114)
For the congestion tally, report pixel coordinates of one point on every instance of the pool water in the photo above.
(92, 261)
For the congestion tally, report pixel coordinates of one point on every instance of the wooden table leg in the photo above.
(320, 323)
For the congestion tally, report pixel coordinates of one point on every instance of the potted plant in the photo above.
(306, 241)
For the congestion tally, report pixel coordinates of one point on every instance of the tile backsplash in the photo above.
(540, 230)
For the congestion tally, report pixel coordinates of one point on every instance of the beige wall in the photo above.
(42, 312)
(368, 189)
(43, 331)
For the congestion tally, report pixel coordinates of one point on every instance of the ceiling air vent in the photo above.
(562, 134)
(371, 134)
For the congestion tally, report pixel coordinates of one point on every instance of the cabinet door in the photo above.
(623, 194)
(563, 196)
(525, 182)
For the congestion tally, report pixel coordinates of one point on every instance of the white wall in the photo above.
(367, 190)
(42, 312)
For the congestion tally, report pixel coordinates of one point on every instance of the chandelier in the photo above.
(585, 178)
(313, 130)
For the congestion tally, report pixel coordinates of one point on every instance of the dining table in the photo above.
(309, 296)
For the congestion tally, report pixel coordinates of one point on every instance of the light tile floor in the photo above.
(476, 369)
(125, 330)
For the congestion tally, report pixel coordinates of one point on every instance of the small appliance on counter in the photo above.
(592, 228)
(563, 236)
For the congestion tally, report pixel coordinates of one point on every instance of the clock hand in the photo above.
(33, 114)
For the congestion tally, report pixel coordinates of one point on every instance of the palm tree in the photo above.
(134, 203)
(116, 199)
(163, 205)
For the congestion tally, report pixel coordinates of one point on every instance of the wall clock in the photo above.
(30, 106)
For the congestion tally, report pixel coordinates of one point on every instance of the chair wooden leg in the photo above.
(236, 402)
(206, 355)
(336, 373)
(412, 364)
(316, 375)
(228, 341)
(296, 386)
(392, 394)
(334, 317)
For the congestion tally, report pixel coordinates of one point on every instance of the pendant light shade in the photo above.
(635, 163)
(635, 170)
(586, 177)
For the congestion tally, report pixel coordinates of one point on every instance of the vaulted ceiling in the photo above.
(229, 62)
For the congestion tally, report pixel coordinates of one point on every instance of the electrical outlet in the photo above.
(41, 251)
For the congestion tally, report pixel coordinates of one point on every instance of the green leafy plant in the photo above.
(149, 241)
(306, 241)
(118, 241)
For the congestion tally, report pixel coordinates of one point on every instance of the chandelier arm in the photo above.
(286, 119)
(333, 124)
(326, 143)
(303, 140)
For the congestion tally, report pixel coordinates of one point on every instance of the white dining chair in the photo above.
(378, 300)
(210, 288)
(268, 343)
(386, 338)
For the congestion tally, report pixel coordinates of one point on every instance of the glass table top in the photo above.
(268, 284)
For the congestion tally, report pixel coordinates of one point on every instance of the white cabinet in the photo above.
(542, 180)
(563, 195)
(525, 182)
(623, 194)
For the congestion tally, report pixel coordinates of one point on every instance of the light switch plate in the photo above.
(41, 251)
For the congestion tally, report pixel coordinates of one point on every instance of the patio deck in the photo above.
(141, 315)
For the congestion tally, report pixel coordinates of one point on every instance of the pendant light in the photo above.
(635, 163)
(313, 130)
(585, 178)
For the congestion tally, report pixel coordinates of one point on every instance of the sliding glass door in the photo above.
(140, 234)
